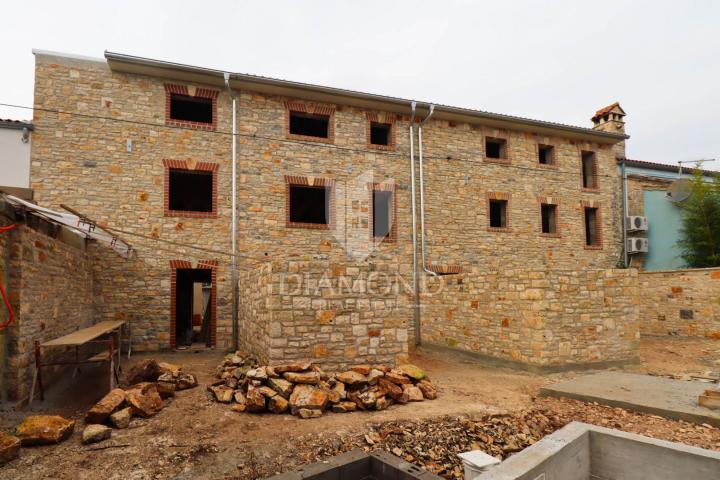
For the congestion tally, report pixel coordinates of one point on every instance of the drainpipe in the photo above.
(422, 192)
(623, 174)
(416, 291)
(233, 276)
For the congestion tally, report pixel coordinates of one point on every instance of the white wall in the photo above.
(14, 159)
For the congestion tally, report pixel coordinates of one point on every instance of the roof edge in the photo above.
(664, 167)
(134, 64)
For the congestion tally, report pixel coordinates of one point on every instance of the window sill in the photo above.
(500, 229)
(501, 161)
(382, 240)
(549, 166)
(310, 226)
(188, 124)
(383, 148)
(309, 138)
(551, 235)
(190, 214)
(593, 247)
(590, 190)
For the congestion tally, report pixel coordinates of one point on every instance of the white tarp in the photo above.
(86, 228)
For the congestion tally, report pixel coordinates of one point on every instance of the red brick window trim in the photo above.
(192, 93)
(314, 182)
(598, 230)
(175, 265)
(548, 153)
(499, 196)
(446, 269)
(314, 109)
(550, 201)
(190, 166)
(503, 145)
(382, 187)
(589, 169)
(381, 120)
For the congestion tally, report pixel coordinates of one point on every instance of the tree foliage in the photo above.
(700, 233)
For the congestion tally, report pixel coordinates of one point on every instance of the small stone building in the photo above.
(521, 237)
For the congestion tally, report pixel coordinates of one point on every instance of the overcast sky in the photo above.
(556, 61)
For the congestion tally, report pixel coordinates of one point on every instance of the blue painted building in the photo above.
(648, 184)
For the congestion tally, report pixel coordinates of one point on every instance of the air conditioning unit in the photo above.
(637, 245)
(635, 223)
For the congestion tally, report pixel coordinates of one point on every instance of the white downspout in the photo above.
(422, 192)
(233, 275)
(416, 291)
(626, 263)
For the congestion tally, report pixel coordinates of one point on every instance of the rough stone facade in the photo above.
(538, 318)
(50, 284)
(681, 302)
(85, 162)
(337, 314)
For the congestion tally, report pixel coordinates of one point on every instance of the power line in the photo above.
(401, 154)
(180, 244)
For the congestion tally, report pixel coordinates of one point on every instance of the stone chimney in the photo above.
(611, 119)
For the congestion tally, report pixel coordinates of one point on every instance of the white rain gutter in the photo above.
(234, 279)
(416, 291)
(422, 192)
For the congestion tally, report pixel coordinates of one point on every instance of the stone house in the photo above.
(519, 237)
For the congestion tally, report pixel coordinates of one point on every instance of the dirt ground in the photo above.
(195, 437)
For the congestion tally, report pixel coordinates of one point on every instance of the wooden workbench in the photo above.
(81, 337)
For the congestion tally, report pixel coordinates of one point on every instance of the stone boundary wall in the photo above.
(332, 314)
(50, 285)
(680, 302)
(254, 313)
(548, 319)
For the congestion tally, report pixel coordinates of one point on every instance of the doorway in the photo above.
(193, 308)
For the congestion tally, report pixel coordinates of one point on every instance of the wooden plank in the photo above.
(100, 357)
(85, 335)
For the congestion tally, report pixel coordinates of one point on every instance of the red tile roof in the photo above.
(606, 110)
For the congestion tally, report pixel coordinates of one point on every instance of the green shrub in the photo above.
(700, 234)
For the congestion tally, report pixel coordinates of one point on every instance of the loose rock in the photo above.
(310, 378)
(412, 371)
(282, 387)
(108, 404)
(9, 447)
(307, 397)
(144, 399)
(44, 430)
(147, 370)
(94, 433)
(351, 378)
(307, 413)
(121, 418)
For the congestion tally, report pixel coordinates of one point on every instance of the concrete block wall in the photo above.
(681, 302)
(537, 318)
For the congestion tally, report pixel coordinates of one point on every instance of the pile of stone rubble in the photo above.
(149, 382)
(304, 389)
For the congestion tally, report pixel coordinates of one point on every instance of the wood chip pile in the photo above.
(305, 390)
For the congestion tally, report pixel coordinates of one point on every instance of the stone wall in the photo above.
(335, 314)
(255, 310)
(681, 302)
(50, 283)
(537, 318)
(83, 161)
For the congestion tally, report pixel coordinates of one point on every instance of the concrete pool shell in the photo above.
(580, 451)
